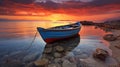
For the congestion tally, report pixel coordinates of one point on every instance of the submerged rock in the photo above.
(41, 62)
(67, 63)
(100, 54)
(59, 48)
(77, 52)
(31, 57)
(57, 55)
(54, 65)
(110, 37)
(31, 64)
(58, 60)
(48, 50)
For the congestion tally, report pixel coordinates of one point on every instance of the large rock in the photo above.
(100, 54)
(109, 37)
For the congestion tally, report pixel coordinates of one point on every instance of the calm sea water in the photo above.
(16, 36)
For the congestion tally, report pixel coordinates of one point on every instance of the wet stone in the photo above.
(72, 59)
(77, 52)
(100, 54)
(54, 65)
(49, 46)
(48, 50)
(109, 37)
(67, 63)
(58, 60)
(41, 62)
(70, 54)
(69, 48)
(59, 48)
(57, 55)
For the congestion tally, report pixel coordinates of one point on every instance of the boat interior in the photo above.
(72, 26)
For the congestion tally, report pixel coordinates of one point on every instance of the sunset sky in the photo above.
(93, 10)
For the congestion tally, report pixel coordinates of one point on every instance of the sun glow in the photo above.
(55, 17)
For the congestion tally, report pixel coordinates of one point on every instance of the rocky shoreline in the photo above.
(113, 38)
(115, 24)
(115, 45)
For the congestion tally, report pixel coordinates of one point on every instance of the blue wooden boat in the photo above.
(59, 32)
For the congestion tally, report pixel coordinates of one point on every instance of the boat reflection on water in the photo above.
(54, 53)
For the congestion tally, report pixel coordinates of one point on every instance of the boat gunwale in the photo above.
(62, 29)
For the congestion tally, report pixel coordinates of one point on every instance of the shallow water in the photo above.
(16, 36)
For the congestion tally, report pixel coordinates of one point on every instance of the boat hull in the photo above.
(50, 40)
(54, 35)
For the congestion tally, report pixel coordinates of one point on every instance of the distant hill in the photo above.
(87, 22)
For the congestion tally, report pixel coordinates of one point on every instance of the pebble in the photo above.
(41, 62)
(67, 63)
(77, 52)
(48, 50)
(54, 65)
(57, 55)
(70, 54)
(58, 60)
(59, 48)
(69, 48)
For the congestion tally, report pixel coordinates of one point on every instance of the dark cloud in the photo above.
(104, 2)
(10, 7)
(23, 1)
(48, 5)
(76, 4)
